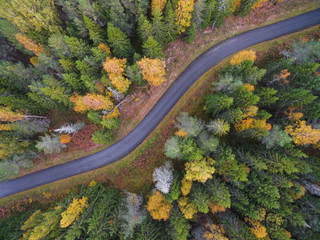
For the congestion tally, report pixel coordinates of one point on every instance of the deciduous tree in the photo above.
(153, 70)
(74, 210)
(183, 14)
(158, 207)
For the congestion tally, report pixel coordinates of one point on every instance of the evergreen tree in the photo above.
(95, 31)
(119, 42)
(158, 27)
(180, 225)
(171, 27)
(152, 48)
(78, 47)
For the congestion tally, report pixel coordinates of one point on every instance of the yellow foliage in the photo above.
(236, 5)
(100, 87)
(153, 70)
(249, 87)
(301, 194)
(183, 14)
(7, 115)
(4, 127)
(181, 133)
(259, 3)
(257, 228)
(114, 114)
(30, 44)
(214, 232)
(250, 111)
(116, 72)
(92, 183)
(65, 138)
(187, 207)
(104, 48)
(33, 60)
(186, 186)
(215, 207)
(288, 233)
(91, 101)
(47, 195)
(303, 134)
(199, 170)
(251, 123)
(292, 115)
(73, 211)
(242, 56)
(158, 207)
(159, 4)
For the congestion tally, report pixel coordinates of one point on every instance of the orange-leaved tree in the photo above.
(153, 70)
(303, 134)
(30, 44)
(243, 56)
(158, 207)
(91, 101)
(184, 14)
(116, 71)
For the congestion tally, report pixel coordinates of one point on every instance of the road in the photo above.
(198, 67)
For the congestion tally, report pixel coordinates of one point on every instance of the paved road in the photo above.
(198, 67)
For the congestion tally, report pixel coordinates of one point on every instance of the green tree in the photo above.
(267, 96)
(200, 197)
(218, 192)
(189, 124)
(276, 138)
(244, 98)
(175, 190)
(215, 103)
(95, 31)
(158, 27)
(152, 49)
(78, 47)
(190, 33)
(207, 142)
(119, 42)
(170, 23)
(180, 225)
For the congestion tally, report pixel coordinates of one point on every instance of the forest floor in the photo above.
(134, 172)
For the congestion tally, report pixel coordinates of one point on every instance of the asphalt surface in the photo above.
(198, 67)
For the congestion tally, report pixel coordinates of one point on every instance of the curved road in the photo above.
(198, 67)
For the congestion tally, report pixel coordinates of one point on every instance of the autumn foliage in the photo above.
(251, 123)
(257, 228)
(188, 208)
(183, 14)
(65, 138)
(199, 170)
(7, 115)
(243, 56)
(158, 4)
(30, 44)
(73, 211)
(303, 134)
(91, 101)
(116, 71)
(186, 186)
(158, 207)
(153, 70)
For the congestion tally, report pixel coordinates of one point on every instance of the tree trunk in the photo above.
(310, 187)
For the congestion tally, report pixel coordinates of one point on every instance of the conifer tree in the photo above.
(158, 26)
(171, 27)
(119, 42)
(152, 49)
(95, 31)
(78, 47)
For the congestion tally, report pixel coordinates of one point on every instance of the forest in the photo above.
(246, 167)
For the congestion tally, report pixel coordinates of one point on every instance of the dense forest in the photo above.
(249, 169)
(87, 56)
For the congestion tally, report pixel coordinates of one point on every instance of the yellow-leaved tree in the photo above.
(214, 232)
(188, 208)
(186, 186)
(303, 134)
(91, 101)
(242, 56)
(116, 71)
(7, 115)
(158, 207)
(159, 4)
(199, 170)
(257, 228)
(74, 210)
(153, 70)
(184, 14)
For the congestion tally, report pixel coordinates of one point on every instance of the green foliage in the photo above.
(74, 81)
(189, 150)
(189, 124)
(219, 127)
(207, 142)
(276, 138)
(200, 197)
(152, 49)
(218, 192)
(102, 137)
(215, 103)
(267, 96)
(95, 31)
(227, 83)
(111, 123)
(175, 190)
(78, 47)
(295, 97)
(59, 45)
(119, 42)
(191, 33)
(49, 144)
(172, 148)
(179, 225)
(232, 115)
(243, 98)
(306, 51)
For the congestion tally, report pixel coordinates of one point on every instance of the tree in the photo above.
(227, 83)
(180, 225)
(95, 31)
(218, 192)
(200, 197)
(215, 103)
(184, 14)
(171, 27)
(115, 69)
(58, 43)
(219, 127)
(78, 47)
(199, 170)
(7, 115)
(207, 143)
(158, 26)
(244, 98)
(119, 42)
(153, 70)
(30, 44)
(11, 145)
(243, 56)
(74, 210)
(303, 134)
(152, 49)
(91, 101)
(160, 4)
(55, 90)
(188, 208)
(191, 125)
(191, 33)
(199, 8)
(102, 137)
(158, 207)
(163, 176)
(175, 190)
(232, 116)
(276, 138)
(31, 15)
(214, 232)
(49, 144)
(267, 96)
(172, 148)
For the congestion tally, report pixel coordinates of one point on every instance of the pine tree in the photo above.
(152, 49)
(190, 33)
(95, 31)
(78, 47)
(158, 27)
(119, 42)
(170, 23)
(180, 225)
